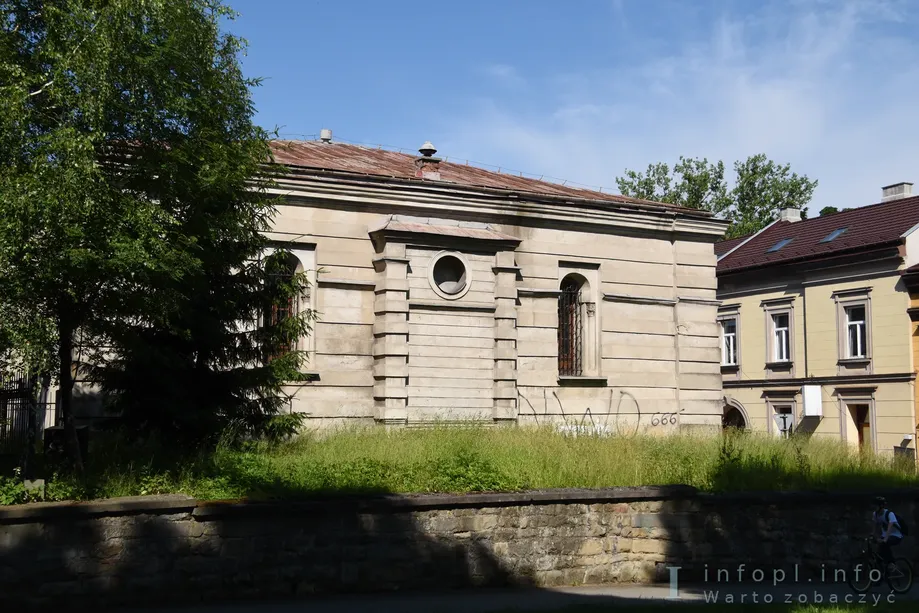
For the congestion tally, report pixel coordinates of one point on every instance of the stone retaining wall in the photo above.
(142, 550)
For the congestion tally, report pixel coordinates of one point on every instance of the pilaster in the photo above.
(505, 390)
(390, 335)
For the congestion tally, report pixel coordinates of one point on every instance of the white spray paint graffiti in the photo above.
(590, 423)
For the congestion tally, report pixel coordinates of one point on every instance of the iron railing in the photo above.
(569, 331)
(18, 411)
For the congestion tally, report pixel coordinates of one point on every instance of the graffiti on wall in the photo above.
(599, 422)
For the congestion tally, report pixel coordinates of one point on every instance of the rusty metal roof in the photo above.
(363, 160)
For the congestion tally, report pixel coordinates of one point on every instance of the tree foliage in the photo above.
(761, 189)
(694, 183)
(133, 209)
(831, 210)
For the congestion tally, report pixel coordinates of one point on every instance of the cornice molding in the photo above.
(832, 380)
(455, 200)
(638, 299)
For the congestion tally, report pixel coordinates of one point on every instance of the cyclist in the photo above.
(888, 527)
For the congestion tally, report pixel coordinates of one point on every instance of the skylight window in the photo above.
(778, 245)
(834, 235)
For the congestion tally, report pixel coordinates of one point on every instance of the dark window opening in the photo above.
(284, 308)
(450, 274)
(570, 350)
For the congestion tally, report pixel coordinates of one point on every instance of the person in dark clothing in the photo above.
(887, 529)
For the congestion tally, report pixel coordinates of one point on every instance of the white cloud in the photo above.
(504, 74)
(829, 87)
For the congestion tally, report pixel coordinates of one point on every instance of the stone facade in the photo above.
(438, 298)
(158, 549)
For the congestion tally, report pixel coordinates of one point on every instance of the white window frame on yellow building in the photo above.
(776, 399)
(730, 313)
(846, 363)
(775, 368)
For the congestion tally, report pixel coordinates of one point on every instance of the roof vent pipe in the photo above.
(427, 149)
(427, 166)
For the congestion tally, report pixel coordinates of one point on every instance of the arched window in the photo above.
(281, 271)
(570, 328)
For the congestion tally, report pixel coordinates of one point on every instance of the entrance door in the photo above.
(733, 419)
(861, 419)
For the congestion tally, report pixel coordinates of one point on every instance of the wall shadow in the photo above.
(170, 551)
(765, 516)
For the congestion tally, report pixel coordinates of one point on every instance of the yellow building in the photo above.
(815, 322)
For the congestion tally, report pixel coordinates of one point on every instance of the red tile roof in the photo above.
(868, 226)
(722, 247)
(380, 162)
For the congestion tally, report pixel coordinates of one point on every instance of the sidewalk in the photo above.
(494, 601)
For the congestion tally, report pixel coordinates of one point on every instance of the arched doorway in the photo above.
(734, 416)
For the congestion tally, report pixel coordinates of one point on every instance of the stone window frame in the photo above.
(305, 254)
(775, 399)
(730, 313)
(850, 396)
(588, 274)
(845, 299)
(779, 369)
(468, 271)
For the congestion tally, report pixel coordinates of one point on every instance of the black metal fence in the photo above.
(22, 416)
(569, 331)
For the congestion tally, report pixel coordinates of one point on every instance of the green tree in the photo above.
(133, 206)
(694, 183)
(762, 188)
(831, 210)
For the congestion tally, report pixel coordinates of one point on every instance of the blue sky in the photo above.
(581, 90)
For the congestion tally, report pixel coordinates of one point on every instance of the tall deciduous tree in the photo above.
(761, 189)
(132, 207)
(694, 183)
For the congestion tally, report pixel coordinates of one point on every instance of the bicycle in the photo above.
(867, 570)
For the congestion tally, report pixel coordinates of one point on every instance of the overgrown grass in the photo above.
(466, 460)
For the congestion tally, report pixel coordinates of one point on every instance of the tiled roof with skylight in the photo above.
(834, 235)
(875, 226)
(779, 245)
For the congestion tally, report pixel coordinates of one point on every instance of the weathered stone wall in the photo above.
(154, 549)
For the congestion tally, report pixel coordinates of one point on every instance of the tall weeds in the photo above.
(442, 459)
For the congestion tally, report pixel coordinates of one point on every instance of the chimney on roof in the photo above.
(790, 215)
(325, 135)
(427, 166)
(896, 191)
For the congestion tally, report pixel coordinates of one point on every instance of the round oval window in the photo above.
(450, 274)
